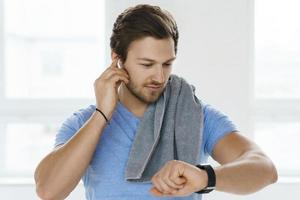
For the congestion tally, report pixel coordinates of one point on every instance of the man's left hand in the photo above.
(178, 178)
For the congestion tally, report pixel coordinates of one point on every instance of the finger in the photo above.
(121, 67)
(116, 79)
(178, 180)
(173, 179)
(172, 184)
(114, 63)
(156, 184)
(168, 179)
(185, 191)
(124, 70)
(165, 188)
(156, 192)
(112, 73)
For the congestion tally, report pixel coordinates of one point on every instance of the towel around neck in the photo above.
(171, 129)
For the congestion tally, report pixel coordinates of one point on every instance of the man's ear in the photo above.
(114, 55)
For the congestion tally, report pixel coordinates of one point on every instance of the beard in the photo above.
(144, 94)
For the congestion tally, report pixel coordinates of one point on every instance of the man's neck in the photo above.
(132, 103)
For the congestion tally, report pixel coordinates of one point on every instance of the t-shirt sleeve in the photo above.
(72, 124)
(216, 126)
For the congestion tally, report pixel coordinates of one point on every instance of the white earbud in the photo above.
(118, 63)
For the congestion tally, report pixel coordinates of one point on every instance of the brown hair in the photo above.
(141, 21)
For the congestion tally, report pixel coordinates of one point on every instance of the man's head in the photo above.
(145, 40)
(139, 22)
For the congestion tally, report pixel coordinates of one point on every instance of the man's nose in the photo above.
(159, 76)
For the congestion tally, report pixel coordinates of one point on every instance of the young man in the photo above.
(94, 143)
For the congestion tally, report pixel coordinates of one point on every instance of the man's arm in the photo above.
(61, 170)
(244, 167)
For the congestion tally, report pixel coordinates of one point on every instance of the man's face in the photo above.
(149, 65)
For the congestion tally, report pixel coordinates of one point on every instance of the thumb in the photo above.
(179, 180)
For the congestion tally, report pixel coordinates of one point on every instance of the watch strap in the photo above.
(211, 183)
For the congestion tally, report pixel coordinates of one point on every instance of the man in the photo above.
(94, 143)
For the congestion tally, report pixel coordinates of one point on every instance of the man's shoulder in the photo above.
(87, 110)
(83, 114)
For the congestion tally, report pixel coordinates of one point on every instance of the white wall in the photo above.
(215, 54)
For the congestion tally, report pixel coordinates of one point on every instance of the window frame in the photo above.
(267, 110)
(26, 110)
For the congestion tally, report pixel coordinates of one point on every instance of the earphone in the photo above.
(118, 63)
(119, 66)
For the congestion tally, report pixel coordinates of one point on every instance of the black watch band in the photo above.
(211, 183)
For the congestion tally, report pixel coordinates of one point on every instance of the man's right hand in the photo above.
(106, 88)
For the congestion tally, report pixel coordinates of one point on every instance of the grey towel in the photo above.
(171, 128)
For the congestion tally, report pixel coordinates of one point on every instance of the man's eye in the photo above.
(147, 65)
(167, 64)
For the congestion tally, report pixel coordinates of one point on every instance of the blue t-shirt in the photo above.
(105, 178)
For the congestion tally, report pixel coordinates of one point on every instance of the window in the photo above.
(277, 82)
(47, 46)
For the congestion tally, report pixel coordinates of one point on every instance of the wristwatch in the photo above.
(211, 183)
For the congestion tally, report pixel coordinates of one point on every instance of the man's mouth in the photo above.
(154, 87)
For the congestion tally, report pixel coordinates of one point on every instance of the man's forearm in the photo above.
(249, 173)
(61, 170)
